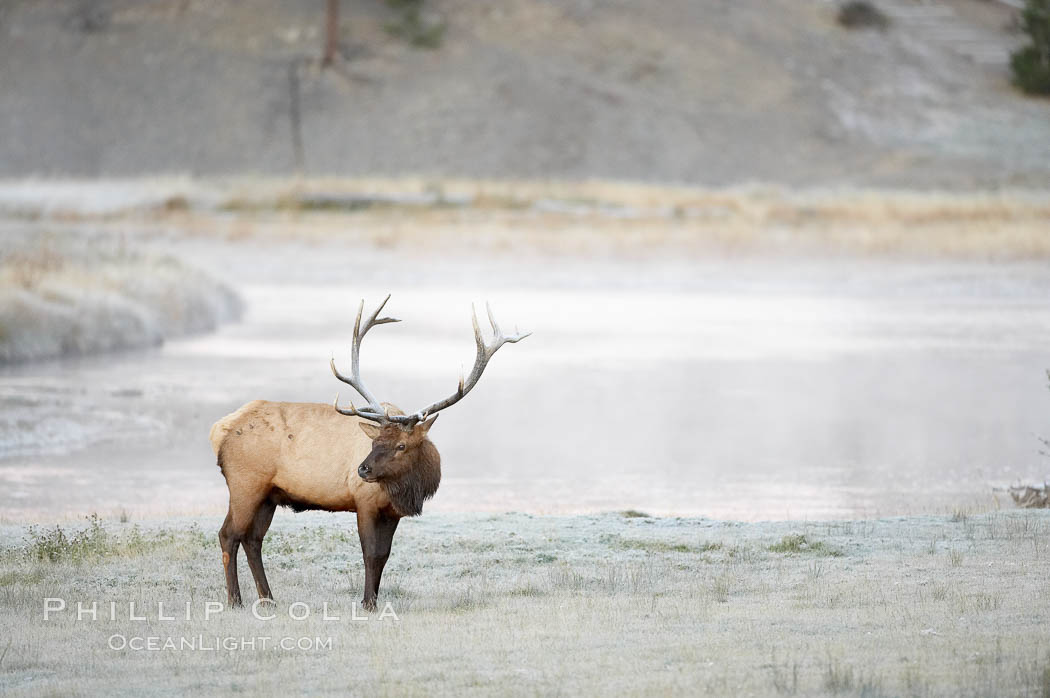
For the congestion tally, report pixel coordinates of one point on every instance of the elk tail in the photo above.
(218, 434)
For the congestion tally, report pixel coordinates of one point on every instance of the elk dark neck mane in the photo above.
(408, 493)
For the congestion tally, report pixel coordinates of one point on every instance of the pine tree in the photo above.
(1031, 64)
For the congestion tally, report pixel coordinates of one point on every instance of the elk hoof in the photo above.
(369, 605)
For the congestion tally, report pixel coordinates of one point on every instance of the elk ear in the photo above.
(370, 430)
(425, 426)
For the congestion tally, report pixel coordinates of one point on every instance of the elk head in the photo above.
(397, 451)
(402, 455)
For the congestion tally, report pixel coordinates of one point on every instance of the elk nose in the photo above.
(364, 470)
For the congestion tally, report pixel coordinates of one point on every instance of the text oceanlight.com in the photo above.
(202, 643)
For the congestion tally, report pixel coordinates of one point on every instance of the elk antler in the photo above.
(375, 411)
(485, 352)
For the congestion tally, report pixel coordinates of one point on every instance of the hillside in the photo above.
(696, 91)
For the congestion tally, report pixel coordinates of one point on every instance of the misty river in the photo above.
(746, 390)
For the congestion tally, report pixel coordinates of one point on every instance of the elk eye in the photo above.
(401, 447)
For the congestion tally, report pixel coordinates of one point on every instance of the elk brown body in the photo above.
(377, 462)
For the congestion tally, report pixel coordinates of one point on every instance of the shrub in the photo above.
(94, 542)
(53, 545)
(1031, 64)
(411, 26)
(858, 14)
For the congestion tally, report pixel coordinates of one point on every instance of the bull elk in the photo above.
(376, 461)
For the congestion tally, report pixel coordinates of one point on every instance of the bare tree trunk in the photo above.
(295, 116)
(331, 32)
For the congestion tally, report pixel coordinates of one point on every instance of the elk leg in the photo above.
(229, 542)
(253, 547)
(385, 529)
(234, 530)
(376, 536)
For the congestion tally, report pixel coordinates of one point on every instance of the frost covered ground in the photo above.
(515, 604)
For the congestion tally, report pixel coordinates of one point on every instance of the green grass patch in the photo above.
(528, 591)
(21, 577)
(660, 546)
(655, 546)
(797, 543)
